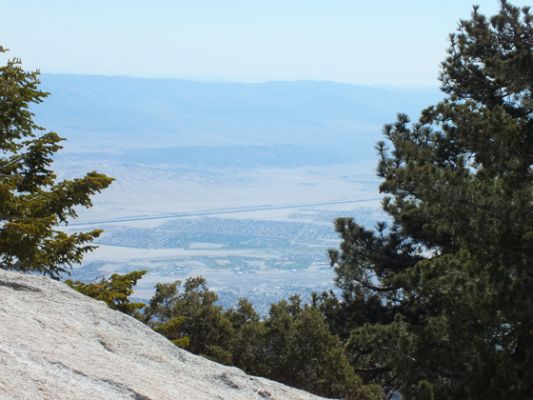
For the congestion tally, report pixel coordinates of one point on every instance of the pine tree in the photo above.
(317, 362)
(294, 346)
(190, 317)
(32, 203)
(114, 291)
(449, 280)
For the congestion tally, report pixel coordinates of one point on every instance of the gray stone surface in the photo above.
(58, 344)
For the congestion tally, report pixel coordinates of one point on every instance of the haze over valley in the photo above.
(239, 183)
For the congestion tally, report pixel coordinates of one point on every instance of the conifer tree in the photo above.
(189, 316)
(114, 291)
(32, 202)
(317, 362)
(293, 345)
(449, 280)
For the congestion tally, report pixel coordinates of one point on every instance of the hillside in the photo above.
(110, 113)
(59, 344)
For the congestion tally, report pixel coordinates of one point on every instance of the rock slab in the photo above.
(56, 343)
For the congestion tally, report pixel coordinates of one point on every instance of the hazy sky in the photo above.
(387, 42)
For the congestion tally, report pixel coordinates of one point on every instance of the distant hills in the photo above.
(121, 114)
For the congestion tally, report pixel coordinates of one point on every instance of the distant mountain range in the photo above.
(121, 114)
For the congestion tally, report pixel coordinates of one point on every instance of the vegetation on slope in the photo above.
(437, 305)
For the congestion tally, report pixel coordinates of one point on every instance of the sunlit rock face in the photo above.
(56, 343)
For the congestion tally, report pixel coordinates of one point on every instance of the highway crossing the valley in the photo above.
(220, 211)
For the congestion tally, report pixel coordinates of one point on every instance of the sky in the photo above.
(387, 42)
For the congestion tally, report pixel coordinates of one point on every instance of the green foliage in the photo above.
(317, 361)
(250, 351)
(190, 318)
(114, 291)
(293, 345)
(32, 202)
(439, 303)
(244, 313)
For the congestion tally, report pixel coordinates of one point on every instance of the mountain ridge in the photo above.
(120, 112)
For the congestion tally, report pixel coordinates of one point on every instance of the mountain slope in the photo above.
(56, 343)
(110, 113)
